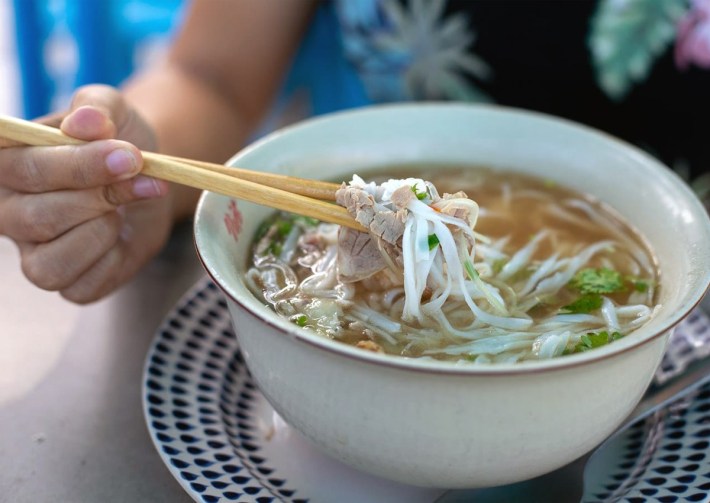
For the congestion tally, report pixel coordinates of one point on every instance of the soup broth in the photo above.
(569, 270)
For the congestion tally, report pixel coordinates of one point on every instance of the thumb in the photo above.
(100, 112)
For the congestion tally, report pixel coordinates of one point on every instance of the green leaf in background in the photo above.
(627, 36)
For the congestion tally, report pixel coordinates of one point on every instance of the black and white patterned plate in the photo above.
(665, 458)
(222, 441)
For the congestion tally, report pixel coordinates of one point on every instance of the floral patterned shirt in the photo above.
(638, 69)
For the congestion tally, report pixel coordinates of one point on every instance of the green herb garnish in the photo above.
(418, 193)
(638, 284)
(470, 270)
(272, 233)
(593, 340)
(306, 221)
(584, 304)
(275, 248)
(262, 230)
(600, 280)
(283, 227)
(301, 320)
(433, 241)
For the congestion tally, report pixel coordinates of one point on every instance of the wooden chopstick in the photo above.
(317, 189)
(296, 195)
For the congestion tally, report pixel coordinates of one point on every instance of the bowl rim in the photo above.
(302, 335)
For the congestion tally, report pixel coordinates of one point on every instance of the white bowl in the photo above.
(433, 423)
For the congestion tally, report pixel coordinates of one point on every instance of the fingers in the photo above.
(100, 112)
(100, 279)
(135, 246)
(44, 169)
(38, 218)
(66, 206)
(89, 123)
(59, 263)
(53, 119)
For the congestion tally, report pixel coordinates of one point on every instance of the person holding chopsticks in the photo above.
(86, 221)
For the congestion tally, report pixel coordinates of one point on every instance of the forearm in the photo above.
(190, 120)
(208, 97)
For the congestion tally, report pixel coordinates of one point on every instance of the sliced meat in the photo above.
(388, 225)
(358, 256)
(456, 195)
(402, 196)
(359, 203)
(461, 213)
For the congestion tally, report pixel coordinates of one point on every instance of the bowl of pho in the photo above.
(505, 310)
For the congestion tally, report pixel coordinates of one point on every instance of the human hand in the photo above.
(82, 217)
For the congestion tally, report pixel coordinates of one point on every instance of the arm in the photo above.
(224, 69)
(84, 221)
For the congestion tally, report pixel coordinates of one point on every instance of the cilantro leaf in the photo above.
(593, 340)
(600, 280)
(275, 248)
(585, 304)
(306, 221)
(283, 227)
(639, 284)
(262, 230)
(272, 233)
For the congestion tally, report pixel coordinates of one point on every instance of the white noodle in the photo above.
(453, 291)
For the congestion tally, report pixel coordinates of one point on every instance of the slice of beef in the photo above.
(359, 203)
(402, 196)
(358, 256)
(388, 225)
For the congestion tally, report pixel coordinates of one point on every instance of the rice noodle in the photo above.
(449, 291)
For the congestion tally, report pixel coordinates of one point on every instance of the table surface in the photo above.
(71, 419)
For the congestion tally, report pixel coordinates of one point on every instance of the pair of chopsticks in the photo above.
(312, 198)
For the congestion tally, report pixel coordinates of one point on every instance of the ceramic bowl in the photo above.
(434, 423)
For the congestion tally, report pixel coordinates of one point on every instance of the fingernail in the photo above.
(120, 162)
(144, 186)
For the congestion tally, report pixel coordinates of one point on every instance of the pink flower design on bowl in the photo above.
(233, 220)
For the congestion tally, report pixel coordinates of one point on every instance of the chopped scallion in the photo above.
(418, 193)
(470, 270)
(433, 241)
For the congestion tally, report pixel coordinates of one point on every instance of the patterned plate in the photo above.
(223, 442)
(218, 435)
(665, 458)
